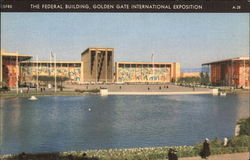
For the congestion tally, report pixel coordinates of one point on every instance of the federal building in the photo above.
(97, 65)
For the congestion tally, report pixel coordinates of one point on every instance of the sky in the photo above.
(188, 38)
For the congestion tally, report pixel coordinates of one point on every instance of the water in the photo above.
(94, 122)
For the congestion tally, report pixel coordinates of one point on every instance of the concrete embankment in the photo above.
(143, 89)
(157, 93)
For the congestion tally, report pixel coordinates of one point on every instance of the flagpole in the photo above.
(55, 71)
(36, 73)
(153, 67)
(244, 73)
(17, 73)
(50, 63)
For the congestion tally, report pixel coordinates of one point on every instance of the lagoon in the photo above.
(53, 124)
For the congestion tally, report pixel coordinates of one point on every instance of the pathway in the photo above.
(235, 156)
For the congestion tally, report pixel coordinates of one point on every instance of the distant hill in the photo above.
(190, 70)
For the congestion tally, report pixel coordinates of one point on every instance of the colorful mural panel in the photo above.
(28, 72)
(143, 74)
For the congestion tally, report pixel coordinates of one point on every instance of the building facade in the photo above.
(10, 70)
(98, 64)
(1, 66)
(147, 72)
(231, 72)
(18, 69)
(29, 70)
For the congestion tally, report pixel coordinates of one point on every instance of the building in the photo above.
(1, 66)
(19, 68)
(29, 70)
(147, 72)
(98, 64)
(230, 72)
(190, 74)
(10, 67)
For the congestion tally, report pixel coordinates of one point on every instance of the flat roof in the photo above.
(226, 60)
(52, 62)
(15, 55)
(97, 48)
(143, 63)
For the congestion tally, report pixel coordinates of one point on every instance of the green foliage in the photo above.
(189, 80)
(235, 145)
(239, 141)
(217, 142)
(87, 90)
(204, 79)
(3, 84)
(244, 126)
(51, 78)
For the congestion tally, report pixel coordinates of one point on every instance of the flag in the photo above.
(152, 57)
(52, 55)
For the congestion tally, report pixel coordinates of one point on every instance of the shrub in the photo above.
(217, 142)
(90, 90)
(239, 141)
(244, 126)
(235, 145)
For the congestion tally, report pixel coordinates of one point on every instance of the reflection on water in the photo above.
(95, 122)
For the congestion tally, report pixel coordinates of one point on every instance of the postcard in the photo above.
(124, 80)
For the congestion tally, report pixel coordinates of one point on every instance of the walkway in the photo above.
(139, 88)
(235, 156)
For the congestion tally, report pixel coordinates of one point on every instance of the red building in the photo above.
(9, 67)
(230, 72)
(17, 68)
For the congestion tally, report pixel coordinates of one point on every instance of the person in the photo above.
(172, 154)
(205, 152)
(22, 156)
(175, 157)
(225, 142)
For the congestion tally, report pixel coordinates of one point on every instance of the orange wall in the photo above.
(228, 74)
(9, 72)
(190, 74)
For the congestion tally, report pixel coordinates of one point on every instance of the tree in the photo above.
(204, 78)
(51, 79)
(245, 126)
(62, 79)
(189, 80)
